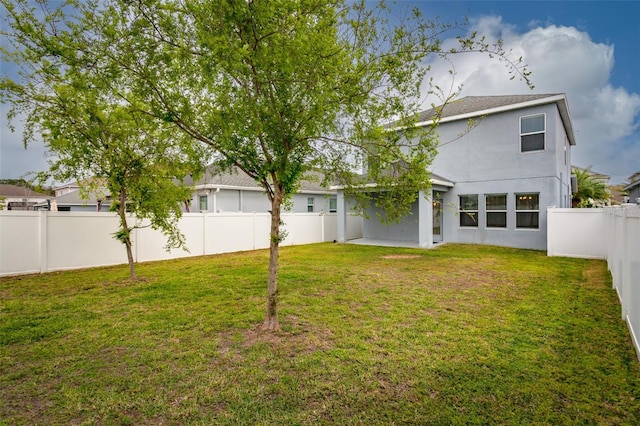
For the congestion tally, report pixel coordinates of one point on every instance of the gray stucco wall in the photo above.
(247, 201)
(487, 160)
(634, 193)
(406, 230)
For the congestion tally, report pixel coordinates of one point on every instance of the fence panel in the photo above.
(623, 259)
(79, 240)
(32, 242)
(150, 243)
(19, 242)
(612, 233)
(576, 233)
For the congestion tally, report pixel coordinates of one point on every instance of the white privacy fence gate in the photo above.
(613, 234)
(32, 242)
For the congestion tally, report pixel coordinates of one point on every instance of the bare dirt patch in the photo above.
(301, 339)
(401, 256)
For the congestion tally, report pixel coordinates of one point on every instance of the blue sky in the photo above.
(589, 50)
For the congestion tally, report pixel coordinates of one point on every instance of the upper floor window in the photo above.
(310, 204)
(527, 210)
(496, 209)
(469, 210)
(532, 129)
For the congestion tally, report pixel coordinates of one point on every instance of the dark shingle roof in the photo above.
(471, 104)
(238, 179)
(19, 191)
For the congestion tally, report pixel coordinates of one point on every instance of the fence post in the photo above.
(43, 235)
(204, 232)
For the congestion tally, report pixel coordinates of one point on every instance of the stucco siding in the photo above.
(491, 149)
(254, 201)
(634, 193)
(405, 230)
(510, 236)
(493, 155)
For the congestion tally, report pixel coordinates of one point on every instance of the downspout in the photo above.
(215, 200)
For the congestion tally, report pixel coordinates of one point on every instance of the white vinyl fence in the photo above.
(613, 234)
(623, 260)
(32, 242)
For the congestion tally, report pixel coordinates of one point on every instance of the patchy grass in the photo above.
(371, 335)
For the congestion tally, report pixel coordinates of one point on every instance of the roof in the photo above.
(237, 179)
(439, 180)
(84, 182)
(634, 180)
(74, 198)
(436, 180)
(8, 190)
(476, 106)
(595, 175)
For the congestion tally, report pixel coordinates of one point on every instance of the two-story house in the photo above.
(493, 180)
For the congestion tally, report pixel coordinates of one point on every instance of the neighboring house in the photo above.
(15, 197)
(75, 202)
(491, 182)
(598, 177)
(633, 188)
(234, 191)
(593, 177)
(69, 198)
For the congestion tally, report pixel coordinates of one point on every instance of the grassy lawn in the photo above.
(371, 335)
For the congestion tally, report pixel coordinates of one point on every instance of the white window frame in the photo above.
(525, 194)
(543, 132)
(204, 198)
(311, 202)
(473, 213)
(333, 205)
(504, 211)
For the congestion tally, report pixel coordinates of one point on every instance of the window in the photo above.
(496, 206)
(333, 205)
(532, 133)
(527, 211)
(204, 202)
(469, 210)
(310, 204)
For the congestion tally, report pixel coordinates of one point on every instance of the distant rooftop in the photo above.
(19, 191)
(236, 178)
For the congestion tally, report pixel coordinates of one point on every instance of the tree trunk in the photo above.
(126, 234)
(271, 318)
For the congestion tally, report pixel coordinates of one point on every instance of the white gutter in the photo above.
(375, 185)
(560, 100)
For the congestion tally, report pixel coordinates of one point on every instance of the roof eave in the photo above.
(559, 100)
(438, 182)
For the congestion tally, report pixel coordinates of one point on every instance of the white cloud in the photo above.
(562, 60)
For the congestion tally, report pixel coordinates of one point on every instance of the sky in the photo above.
(588, 50)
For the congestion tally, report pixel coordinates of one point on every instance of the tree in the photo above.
(70, 99)
(279, 88)
(591, 192)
